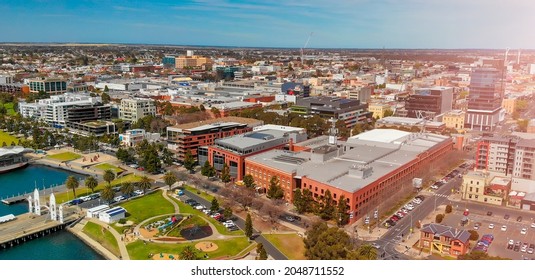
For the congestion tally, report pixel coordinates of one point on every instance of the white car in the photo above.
(523, 231)
(491, 226)
(85, 198)
(138, 192)
(504, 228)
(228, 223)
(533, 225)
(511, 242)
(118, 198)
(200, 207)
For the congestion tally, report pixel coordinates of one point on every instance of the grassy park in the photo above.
(148, 206)
(5, 137)
(106, 166)
(226, 248)
(66, 156)
(290, 245)
(9, 109)
(102, 236)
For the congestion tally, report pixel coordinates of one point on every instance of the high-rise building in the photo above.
(484, 100)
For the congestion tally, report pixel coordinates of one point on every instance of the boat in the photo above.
(12, 158)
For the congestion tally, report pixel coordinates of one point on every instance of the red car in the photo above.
(394, 218)
(466, 212)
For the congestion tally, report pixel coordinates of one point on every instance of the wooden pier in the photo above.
(43, 193)
(30, 226)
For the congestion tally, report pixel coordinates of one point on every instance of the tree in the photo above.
(388, 113)
(261, 252)
(448, 209)
(227, 213)
(189, 253)
(105, 98)
(167, 157)
(91, 182)
(248, 226)
(215, 112)
(72, 184)
(169, 178)
(439, 218)
(225, 173)
(248, 181)
(327, 208)
(127, 188)
(275, 191)
(215, 205)
(479, 255)
(106, 89)
(299, 201)
(474, 235)
(367, 252)
(107, 193)
(144, 184)
(206, 169)
(343, 216)
(189, 161)
(324, 243)
(108, 176)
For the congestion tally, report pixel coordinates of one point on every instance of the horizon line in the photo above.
(252, 47)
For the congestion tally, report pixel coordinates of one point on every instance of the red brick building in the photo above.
(444, 240)
(367, 170)
(190, 136)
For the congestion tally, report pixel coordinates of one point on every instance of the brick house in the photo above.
(444, 240)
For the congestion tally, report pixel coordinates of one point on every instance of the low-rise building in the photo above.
(112, 215)
(369, 170)
(48, 85)
(348, 110)
(378, 110)
(484, 187)
(454, 119)
(444, 240)
(133, 137)
(509, 105)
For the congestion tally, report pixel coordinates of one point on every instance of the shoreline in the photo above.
(95, 246)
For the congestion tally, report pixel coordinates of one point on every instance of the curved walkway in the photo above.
(78, 230)
(164, 194)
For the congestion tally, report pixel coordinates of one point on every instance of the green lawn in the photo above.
(66, 156)
(147, 206)
(102, 236)
(290, 245)
(106, 166)
(5, 137)
(127, 178)
(9, 108)
(229, 247)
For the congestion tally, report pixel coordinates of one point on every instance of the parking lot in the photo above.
(501, 236)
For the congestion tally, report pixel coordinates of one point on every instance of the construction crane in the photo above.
(306, 44)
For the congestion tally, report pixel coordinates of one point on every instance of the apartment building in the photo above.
(135, 109)
(486, 188)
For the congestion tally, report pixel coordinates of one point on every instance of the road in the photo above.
(394, 235)
(270, 249)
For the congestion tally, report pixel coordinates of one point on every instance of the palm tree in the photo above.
(91, 182)
(144, 184)
(127, 188)
(189, 253)
(107, 193)
(169, 179)
(72, 183)
(367, 252)
(109, 176)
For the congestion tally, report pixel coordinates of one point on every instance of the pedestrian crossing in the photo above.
(441, 195)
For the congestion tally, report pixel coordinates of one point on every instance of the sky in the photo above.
(434, 24)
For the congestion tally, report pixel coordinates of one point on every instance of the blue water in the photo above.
(58, 246)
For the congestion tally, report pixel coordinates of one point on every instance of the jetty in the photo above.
(23, 197)
(30, 226)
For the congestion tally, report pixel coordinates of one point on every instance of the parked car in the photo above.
(519, 219)
(489, 213)
(138, 192)
(119, 198)
(491, 226)
(376, 246)
(523, 231)
(531, 248)
(504, 228)
(477, 225)
(506, 217)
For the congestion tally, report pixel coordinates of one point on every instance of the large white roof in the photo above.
(382, 135)
(15, 150)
